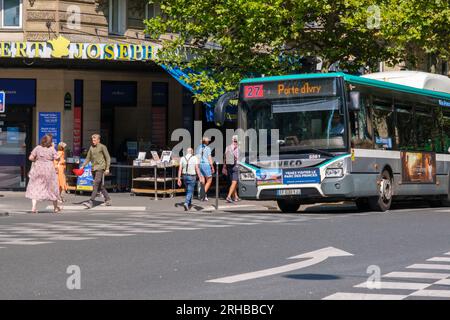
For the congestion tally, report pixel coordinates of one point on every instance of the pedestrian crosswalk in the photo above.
(422, 280)
(134, 223)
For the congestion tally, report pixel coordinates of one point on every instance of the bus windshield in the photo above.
(303, 123)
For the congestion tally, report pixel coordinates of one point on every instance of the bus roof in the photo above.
(356, 80)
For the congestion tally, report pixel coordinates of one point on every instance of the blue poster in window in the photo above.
(303, 175)
(85, 182)
(50, 123)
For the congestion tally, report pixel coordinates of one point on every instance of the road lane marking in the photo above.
(432, 293)
(429, 266)
(394, 285)
(418, 275)
(443, 282)
(364, 296)
(100, 208)
(315, 257)
(439, 259)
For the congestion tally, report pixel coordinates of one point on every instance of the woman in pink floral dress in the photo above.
(43, 184)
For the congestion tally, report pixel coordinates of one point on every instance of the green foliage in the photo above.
(228, 40)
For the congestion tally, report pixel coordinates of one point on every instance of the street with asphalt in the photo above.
(141, 248)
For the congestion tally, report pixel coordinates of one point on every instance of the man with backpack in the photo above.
(189, 170)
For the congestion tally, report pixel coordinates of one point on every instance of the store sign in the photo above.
(50, 123)
(2, 102)
(63, 48)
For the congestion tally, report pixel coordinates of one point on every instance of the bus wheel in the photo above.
(362, 204)
(288, 206)
(383, 201)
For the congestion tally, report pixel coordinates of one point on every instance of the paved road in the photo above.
(171, 255)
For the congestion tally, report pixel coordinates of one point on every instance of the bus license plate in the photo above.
(289, 192)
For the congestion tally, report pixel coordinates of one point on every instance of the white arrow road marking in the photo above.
(315, 257)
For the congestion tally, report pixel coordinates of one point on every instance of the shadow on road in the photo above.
(312, 276)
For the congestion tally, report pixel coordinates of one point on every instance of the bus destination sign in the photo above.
(290, 89)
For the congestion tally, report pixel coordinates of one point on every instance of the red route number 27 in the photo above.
(256, 91)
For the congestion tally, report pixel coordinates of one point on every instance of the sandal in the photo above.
(34, 211)
(57, 210)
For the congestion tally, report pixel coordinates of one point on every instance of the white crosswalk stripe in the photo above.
(136, 223)
(364, 296)
(404, 284)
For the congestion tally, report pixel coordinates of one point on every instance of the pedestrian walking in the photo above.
(60, 166)
(231, 169)
(189, 170)
(203, 152)
(43, 183)
(99, 156)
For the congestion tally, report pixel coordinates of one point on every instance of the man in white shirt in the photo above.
(189, 169)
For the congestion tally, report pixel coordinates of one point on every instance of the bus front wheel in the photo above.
(288, 206)
(383, 201)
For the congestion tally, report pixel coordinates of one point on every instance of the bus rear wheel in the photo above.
(383, 201)
(288, 206)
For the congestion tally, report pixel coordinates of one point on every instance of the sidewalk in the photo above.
(15, 202)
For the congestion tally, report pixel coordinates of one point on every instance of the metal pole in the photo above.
(156, 182)
(217, 186)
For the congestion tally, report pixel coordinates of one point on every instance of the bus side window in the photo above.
(446, 130)
(383, 124)
(405, 125)
(427, 132)
(361, 125)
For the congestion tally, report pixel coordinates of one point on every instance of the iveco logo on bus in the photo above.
(280, 164)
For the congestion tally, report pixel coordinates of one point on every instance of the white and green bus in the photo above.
(368, 139)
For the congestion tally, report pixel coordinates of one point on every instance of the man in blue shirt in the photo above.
(337, 127)
(203, 152)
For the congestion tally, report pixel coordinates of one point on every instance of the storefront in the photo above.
(16, 128)
(75, 90)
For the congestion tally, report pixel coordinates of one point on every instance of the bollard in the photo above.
(217, 186)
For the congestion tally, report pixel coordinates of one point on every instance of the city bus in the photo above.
(368, 139)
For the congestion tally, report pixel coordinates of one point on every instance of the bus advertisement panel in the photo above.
(418, 167)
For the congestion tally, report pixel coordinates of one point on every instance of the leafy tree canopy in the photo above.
(225, 41)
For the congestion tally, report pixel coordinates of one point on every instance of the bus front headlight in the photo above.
(335, 170)
(334, 173)
(245, 174)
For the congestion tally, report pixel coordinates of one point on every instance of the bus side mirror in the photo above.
(354, 103)
(221, 106)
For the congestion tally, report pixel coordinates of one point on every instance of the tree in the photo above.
(227, 40)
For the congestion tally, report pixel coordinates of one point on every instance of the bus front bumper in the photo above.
(347, 187)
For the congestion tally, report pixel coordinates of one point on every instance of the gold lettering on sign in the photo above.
(5, 49)
(123, 52)
(137, 50)
(79, 52)
(93, 47)
(109, 52)
(21, 49)
(37, 46)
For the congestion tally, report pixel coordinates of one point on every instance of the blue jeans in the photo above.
(189, 182)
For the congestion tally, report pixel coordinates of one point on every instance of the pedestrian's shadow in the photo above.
(196, 207)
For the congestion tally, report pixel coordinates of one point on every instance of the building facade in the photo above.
(75, 68)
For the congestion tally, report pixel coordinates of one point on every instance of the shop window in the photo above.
(117, 16)
(405, 126)
(427, 132)
(383, 124)
(11, 13)
(152, 10)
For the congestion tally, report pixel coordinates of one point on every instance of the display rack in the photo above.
(160, 179)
